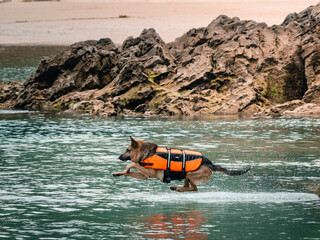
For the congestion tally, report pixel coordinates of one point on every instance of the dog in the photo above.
(165, 164)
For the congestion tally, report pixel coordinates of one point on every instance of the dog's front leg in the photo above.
(128, 167)
(137, 175)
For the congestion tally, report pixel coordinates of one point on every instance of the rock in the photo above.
(68, 101)
(149, 49)
(76, 69)
(241, 97)
(307, 110)
(8, 90)
(290, 18)
(313, 94)
(130, 76)
(91, 107)
(279, 109)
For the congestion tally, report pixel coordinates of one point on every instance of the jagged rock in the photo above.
(67, 101)
(134, 99)
(241, 97)
(91, 106)
(130, 76)
(78, 68)
(313, 94)
(232, 66)
(9, 89)
(149, 48)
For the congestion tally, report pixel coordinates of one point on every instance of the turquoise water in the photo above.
(16, 73)
(56, 183)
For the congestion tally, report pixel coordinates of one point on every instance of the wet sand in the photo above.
(67, 21)
(21, 55)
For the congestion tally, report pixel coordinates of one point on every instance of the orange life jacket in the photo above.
(173, 161)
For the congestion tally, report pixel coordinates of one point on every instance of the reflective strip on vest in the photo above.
(193, 160)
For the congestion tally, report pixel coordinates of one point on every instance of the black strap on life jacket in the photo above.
(169, 158)
(183, 162)
(145, 164)
(173, 175)
(167, 175)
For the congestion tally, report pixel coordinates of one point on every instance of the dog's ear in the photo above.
(147, 150)
(134, 143)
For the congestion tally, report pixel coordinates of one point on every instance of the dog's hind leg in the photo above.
(187, 187)
(200, 176)
(186, 183)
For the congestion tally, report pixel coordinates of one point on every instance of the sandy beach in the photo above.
(67, 21)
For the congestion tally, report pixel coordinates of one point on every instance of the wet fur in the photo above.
(137, 151)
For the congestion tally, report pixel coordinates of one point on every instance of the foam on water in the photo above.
(223, 197)
(13, 111)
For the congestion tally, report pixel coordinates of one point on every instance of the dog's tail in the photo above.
(218, 168)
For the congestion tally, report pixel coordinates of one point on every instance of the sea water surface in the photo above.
(18, 62)
(56, 182)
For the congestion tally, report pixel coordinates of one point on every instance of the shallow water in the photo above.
(56, 183)
(19, 62)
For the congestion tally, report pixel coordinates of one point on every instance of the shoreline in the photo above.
(192, 117)
(8, 111)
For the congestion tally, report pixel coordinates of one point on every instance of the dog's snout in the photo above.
(124, 158)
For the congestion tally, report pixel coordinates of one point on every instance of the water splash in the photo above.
(222, 197)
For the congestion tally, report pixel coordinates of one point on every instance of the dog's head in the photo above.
(138, 151)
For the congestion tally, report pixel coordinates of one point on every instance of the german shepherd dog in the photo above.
(139, 150)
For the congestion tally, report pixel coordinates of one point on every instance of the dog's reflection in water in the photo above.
(182, 225)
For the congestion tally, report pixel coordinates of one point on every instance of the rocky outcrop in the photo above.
(306, 110)
(230, 67)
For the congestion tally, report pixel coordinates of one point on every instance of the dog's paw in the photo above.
(178, 189)
(173, 188)
(117, 174)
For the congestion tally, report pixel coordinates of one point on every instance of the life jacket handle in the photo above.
(145, 164)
